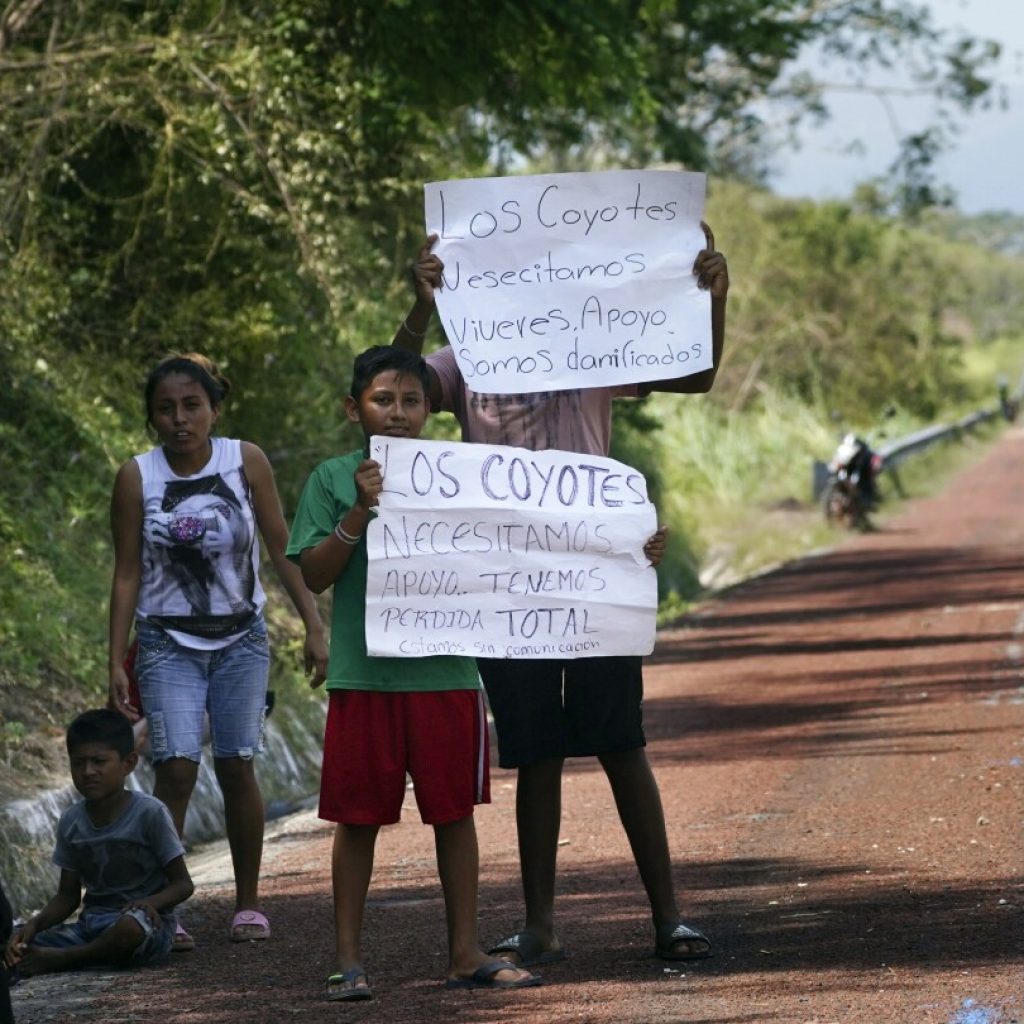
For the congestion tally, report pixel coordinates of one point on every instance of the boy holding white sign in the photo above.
(560, 709)
(390, 716)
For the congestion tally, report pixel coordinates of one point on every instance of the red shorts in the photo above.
(373, 739)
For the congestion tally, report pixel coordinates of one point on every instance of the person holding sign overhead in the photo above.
(553, 709)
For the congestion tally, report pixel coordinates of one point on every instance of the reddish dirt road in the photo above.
(840, 746)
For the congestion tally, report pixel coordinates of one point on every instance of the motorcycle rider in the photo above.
(856, 455)
(862, 468)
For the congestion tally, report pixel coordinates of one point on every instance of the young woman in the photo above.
(184, 518)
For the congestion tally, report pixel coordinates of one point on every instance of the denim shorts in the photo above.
(179, 686)
(91, 924)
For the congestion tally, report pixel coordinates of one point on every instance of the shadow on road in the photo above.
(756, 911)
(864, 581)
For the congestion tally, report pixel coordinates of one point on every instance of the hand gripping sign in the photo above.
(498, 552)
(559, 281)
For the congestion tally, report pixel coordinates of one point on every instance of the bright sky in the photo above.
(984, 165)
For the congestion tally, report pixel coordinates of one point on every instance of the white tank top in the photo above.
(200, 558)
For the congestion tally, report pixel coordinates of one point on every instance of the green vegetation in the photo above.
(245, 180)
(997, 231)
(833, 319)
(841, 326)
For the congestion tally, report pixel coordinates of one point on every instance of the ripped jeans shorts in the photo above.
(180, 685)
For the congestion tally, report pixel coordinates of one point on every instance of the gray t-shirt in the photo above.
(122, 861)
(572, 421)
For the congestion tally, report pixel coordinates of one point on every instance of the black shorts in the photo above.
(579, 708)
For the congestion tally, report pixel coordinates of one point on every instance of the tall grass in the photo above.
(727, 481)
(736, 488)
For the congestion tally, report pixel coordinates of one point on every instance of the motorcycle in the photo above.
(851, 491)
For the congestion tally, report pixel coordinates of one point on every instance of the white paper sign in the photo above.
(559, 281)
(490, 551)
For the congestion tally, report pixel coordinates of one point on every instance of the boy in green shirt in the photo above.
(389, 716)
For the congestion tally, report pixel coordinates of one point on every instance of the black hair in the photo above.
(202, 370)
(381, 358)
(102, 725)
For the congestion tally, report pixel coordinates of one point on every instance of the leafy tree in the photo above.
(244, 179)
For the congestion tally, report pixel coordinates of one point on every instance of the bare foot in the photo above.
(42, 960)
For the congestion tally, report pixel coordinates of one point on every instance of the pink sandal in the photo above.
(183, 942)
(249, 926)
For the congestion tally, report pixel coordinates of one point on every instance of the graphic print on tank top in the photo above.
(203, 544)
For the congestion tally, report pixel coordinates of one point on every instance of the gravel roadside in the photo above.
(839, 746)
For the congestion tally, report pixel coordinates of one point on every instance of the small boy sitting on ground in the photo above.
(389, 716)
(119, 845)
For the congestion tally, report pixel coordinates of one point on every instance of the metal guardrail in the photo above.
(895, 451)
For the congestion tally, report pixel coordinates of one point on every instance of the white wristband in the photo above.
(345, 537)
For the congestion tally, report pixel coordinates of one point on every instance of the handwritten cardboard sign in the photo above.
(490, 551)
(559, 281)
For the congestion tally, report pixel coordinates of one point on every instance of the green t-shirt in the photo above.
(329, 493)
